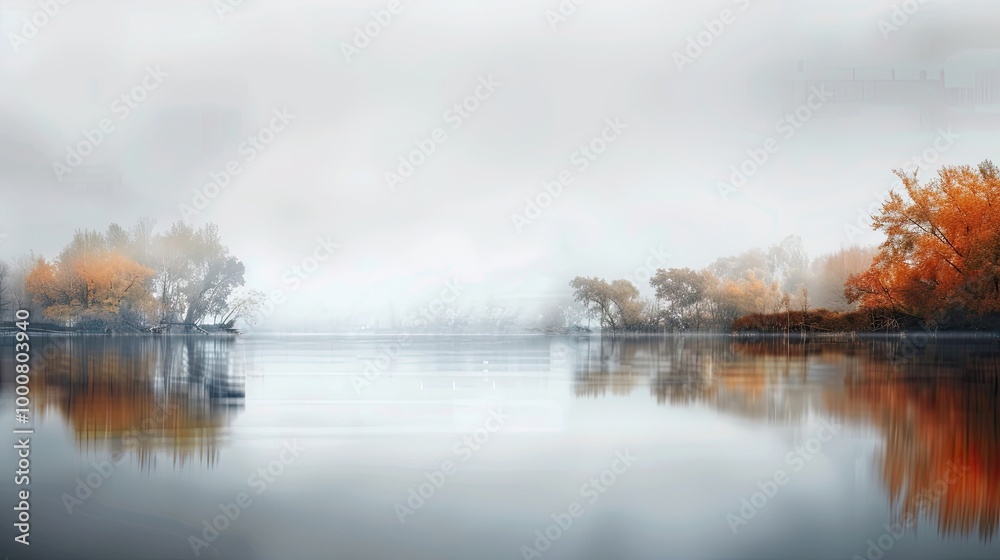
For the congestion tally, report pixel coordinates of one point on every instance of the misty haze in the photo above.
(561, 279)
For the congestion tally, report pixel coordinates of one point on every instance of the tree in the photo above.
(683, 291)
(616, 304)
(942, 247)
(195, 273)
(114, 283)
(243, 304)
(573, 317)
(6, 288)
(829, 273)
(735, 267)
(89, 282)
(18, 294)
(595, 295)
(735, 298)
(136, 278)
(625, 297)
(788, 263)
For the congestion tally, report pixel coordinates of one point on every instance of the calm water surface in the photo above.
(439, 447)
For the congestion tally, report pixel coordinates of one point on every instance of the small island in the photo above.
(132, 280)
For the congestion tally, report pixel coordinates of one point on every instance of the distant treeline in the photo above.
(938, 268)
(758, 282)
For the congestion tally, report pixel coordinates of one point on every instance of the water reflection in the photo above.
(931, 409)
(934, 412)
(935, 406)
(141, 397)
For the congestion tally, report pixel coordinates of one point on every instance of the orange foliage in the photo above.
(942, 251)
(94, 283)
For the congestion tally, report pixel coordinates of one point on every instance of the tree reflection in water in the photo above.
(933, 410)
(139, 396)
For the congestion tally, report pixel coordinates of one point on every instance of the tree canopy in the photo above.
(757, 282)
(616, 304)
(137, 278)
(941, 257)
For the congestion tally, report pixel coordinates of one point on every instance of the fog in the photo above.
(925, 84)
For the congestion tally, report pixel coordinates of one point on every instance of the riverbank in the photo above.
(164, 329)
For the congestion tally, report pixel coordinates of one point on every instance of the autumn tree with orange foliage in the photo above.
(941, 259)
(89, 282)
(137, 280)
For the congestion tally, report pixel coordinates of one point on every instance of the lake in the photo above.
(506, 447)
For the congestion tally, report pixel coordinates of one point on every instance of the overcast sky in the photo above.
(215, 76)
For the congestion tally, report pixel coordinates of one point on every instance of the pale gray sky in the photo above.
(324, 174)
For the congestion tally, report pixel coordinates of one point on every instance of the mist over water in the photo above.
(373, 279)
(168, 430)
(221, 75)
